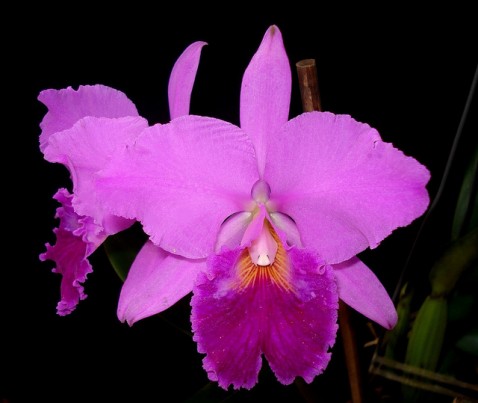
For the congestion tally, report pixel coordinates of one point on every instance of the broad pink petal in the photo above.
(67, 106)
(362, 290)
(343, 186)
(182, 78)
(76, 239)
(182, 180)
(265, 92)
(157, 279)
(293, 329)
(85, 149)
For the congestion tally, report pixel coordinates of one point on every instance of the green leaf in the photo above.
(426, 341)
(447, 270)
(469, 342)
(466, 211)
(428, 331)
(122, 248)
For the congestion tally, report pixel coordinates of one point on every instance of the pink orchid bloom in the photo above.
(82, 130)
(272, 215)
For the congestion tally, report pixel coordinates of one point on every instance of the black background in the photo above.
(406, 73)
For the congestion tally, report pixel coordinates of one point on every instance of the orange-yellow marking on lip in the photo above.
(278, 273)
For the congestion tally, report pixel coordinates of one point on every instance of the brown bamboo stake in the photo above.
(309, 92)
(351, 353)
(308, 84)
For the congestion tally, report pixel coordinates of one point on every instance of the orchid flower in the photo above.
(82, 130)
(271, 214)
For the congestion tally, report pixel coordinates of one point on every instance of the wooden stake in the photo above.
(308, 84)
(309, 92)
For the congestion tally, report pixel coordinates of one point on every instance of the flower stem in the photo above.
(309, 92)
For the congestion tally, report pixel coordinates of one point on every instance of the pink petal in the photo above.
(265, 92)
(255, 227)
(293, 329)
(67, 106)
(85, 149)
(303, 327)
(76, 239)
(156, 280)
(232, 231)
(342, 185)
(182, 79)
(182, 180)
(361, 289)
(286, 228)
